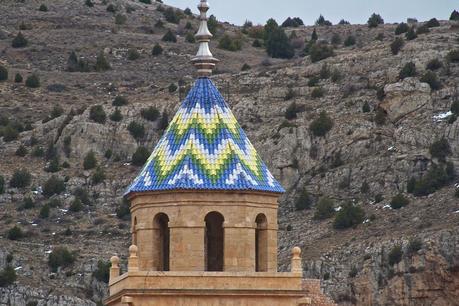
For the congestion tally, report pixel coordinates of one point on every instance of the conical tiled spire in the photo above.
(204, 61)
(204, 147)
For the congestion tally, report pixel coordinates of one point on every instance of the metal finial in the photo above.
(204, 61)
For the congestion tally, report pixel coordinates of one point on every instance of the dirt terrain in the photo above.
(358, 160)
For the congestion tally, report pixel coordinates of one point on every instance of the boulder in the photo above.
(406, 97)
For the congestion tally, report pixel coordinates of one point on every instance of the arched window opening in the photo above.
(163, 244)
(261, 244)
(214, 242)
(134, 231)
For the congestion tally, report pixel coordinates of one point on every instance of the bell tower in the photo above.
(204, 213)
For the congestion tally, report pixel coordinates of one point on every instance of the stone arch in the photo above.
(261, 243)
(214, 241)
(162, 241)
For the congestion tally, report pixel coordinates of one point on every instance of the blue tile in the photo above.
(205, 96)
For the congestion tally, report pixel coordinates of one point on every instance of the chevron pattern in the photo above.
(204, 148)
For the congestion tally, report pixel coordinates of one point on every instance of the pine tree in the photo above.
(157, 50)
(164, 122)
(433, 23)
(2, 184)
(43, 8)
(140, 156)
(33, 81)
(169, 37)
(409, 70)
(411, 34)
(102, 63)
(366, 107)
(212, 24)
(72, 62)
(322, 125)
(303, 201)
(269, 28)
(454, 15)
(278, 45)
(19, 41)
(324, 209)
(97, 114)
(375, 20)
(397, 45)
(401, 28)
(349, 41)
(116, 116)
(189, 38)
(322, 22)
(314, 36)
(3, 73)
(90, 161)
(18, 78)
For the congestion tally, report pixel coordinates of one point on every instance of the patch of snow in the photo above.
(387, 206)
(34, 224)
(17, 268)
(442, 116)
(391, 149)
(338, 208)
(48, 252)
(39, 189)
(64, 210)
(456, 212)
(366, 221)
(126, 164)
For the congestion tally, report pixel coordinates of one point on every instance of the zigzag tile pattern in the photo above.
(204, 148)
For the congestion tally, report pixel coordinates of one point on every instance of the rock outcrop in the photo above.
(357, 161)
(406, 97)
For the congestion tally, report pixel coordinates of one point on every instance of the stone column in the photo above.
(115, 268)
(186, 247)
(239, 248)
(145, 244)
(272, 249)
(297, 267)
(154, 249)
(133, 261)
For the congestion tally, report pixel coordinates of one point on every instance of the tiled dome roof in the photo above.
(204, 148)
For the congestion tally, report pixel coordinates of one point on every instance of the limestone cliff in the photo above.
(357, 152)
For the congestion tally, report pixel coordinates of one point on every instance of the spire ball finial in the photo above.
(204, 61)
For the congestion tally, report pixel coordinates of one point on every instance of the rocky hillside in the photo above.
(345, 135)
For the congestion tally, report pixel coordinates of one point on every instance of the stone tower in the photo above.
(204, 214)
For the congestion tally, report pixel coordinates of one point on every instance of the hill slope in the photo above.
(358, 160)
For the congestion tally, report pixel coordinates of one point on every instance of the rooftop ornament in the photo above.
(204, 147)
(204, 61)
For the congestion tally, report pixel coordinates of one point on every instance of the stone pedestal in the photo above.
(214, 289)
